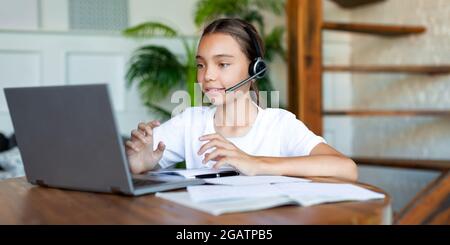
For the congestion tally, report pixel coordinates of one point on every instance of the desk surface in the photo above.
(23, 203)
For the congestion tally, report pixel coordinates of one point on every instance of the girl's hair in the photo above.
(236, 28)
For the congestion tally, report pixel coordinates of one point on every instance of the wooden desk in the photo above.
(23, 203)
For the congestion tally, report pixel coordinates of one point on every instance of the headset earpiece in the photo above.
(256, 66)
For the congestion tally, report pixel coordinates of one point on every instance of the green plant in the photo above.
(156, 69)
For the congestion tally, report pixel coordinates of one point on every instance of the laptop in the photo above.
(68, 138)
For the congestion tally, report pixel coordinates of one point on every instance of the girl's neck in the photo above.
(239, 114)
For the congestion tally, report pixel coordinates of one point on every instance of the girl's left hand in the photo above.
(227, 153)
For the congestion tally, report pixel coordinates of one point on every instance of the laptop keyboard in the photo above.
(145, 182)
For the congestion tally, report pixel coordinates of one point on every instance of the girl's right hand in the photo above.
(139, 148)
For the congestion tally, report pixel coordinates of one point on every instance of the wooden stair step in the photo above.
(365, 113)
(430, 205)
(375, 29)
(416, 69)
(355, 3)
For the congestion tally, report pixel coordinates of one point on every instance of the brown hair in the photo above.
(237, 29)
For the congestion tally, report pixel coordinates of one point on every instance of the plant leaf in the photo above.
(157, 71)
(150, 29)
(207, 10)
(276, 7)
(163, 113)
(273, 44)
(253, 16)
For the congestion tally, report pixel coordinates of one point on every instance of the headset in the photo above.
(257, 68)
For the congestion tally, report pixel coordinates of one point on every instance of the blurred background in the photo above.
(125, 43)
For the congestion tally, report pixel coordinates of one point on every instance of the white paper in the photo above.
(226, 206)
(253, 180)
(215, 193)
(307, 194)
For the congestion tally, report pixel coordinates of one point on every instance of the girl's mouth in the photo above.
(214, 90)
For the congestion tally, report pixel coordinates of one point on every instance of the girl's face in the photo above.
(220, 65)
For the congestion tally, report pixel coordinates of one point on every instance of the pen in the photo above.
(217, 175)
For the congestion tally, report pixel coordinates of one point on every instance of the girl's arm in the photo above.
(322, 161)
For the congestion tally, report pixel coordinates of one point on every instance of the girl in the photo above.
(234, 130)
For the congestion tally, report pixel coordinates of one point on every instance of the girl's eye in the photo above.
(224, 65)
(199, 66)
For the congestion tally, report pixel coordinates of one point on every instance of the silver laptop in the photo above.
(68, 138)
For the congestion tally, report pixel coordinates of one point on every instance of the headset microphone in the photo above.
(241, 83)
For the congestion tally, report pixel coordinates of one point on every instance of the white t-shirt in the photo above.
(275, 133)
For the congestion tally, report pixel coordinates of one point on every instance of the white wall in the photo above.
(54, 15)
(19, 14)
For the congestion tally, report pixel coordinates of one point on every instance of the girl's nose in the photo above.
(210, 74)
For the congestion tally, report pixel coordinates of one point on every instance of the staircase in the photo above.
(305, 69)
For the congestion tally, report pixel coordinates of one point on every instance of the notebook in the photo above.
(220, 199)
